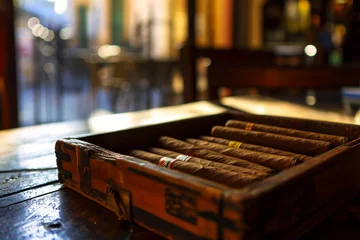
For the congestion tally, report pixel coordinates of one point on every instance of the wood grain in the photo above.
(25, 195)
(63, 214)
(14, 182)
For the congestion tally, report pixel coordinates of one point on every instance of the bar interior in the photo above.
(179, 119)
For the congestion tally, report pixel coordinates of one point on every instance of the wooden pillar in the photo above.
(8, 81)
(247, 26)
(188, 56)
(191, 5)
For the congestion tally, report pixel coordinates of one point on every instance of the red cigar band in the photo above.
(166, 162)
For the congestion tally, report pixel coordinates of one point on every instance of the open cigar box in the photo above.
(182, 206)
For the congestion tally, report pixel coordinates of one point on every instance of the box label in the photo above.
(181, 205)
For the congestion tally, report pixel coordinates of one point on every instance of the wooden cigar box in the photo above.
(181, 206)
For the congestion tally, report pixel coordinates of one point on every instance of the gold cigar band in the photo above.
(234, 144)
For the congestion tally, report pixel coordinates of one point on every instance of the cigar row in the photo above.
(266, 159)
(239, 153)
(202, 152)
(208, 163)
(287, 143)
(335, 140)
(236, 144)
(223, 176)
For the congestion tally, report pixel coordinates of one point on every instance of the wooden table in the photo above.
(34, 205)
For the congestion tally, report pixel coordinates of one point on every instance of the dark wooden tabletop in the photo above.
(33, 204)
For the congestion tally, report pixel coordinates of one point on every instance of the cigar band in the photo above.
(249, 126)
(166, 162)
(234, 144)
(184, 158)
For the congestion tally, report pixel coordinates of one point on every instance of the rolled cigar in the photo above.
(336, 140)
(236, 144)
(266, 159)
(196, 151)
(229, 178)
(293, 144)
(205, 162)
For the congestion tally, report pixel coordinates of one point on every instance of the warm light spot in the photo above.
(341, 29)
(107, 51)
(60, 6)
(41, 31)
(207, 62)
(310, 100)
(177, 83)
(50, 36)
(310, 50)
(36, 29)
(47, 51)
(66, 33)
(45, 34)
(33, 22)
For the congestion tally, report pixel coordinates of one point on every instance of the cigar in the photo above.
(266, 159)
(236, 144)
(229, 178)
(292, 144)
(336, 140)
(196, 151)
(205, 162)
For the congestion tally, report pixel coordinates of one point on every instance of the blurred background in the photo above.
(75, 58)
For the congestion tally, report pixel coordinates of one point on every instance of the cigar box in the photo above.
(181, 206)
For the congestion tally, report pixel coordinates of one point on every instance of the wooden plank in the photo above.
(14, 182)
(28, 194)
(33, 147)
(64, 214)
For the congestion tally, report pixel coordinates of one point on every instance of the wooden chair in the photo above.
(226, 57)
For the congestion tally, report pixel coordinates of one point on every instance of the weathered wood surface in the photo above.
(63, 214)
(34, 205)
(33, 147)
(14, 182)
